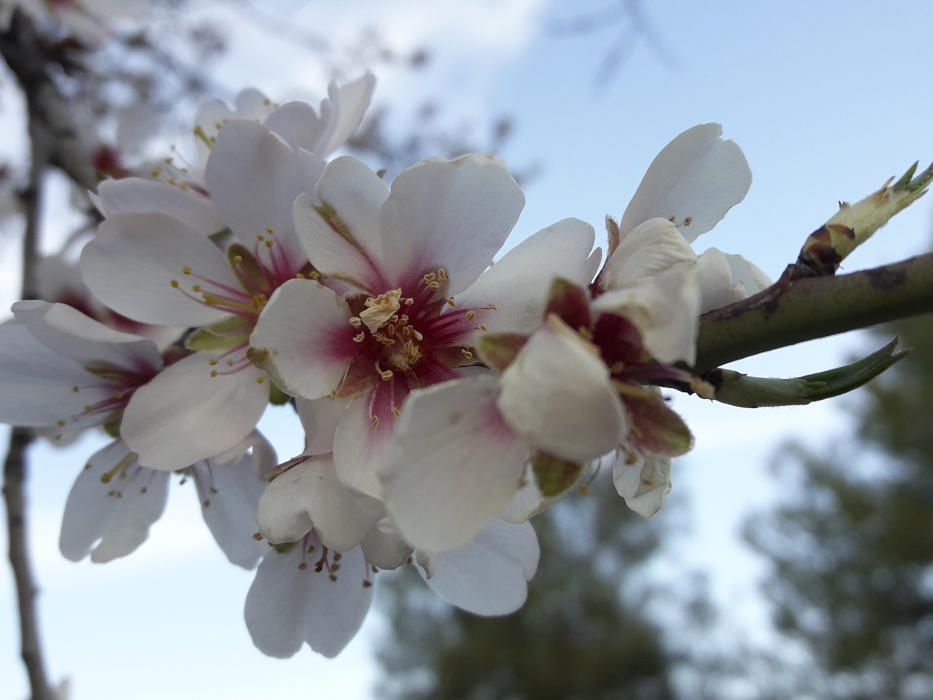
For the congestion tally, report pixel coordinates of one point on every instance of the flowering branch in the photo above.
(15, 466)
(792, 311)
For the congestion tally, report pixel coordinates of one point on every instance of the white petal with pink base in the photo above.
(453, 464)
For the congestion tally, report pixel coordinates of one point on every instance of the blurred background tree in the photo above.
(598, 623)
(850, 548)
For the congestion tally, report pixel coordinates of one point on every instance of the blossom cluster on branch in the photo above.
(446, 398)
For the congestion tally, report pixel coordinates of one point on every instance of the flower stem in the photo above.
(794, 310)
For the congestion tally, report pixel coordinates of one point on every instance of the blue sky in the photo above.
(826, 99)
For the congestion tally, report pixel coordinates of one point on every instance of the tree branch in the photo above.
(14, 466)
(792, 311)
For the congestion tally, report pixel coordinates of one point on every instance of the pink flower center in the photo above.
(408, 338)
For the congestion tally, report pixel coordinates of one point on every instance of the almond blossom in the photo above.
(315, 585)
(178, 186)
(155, 268)
(688, 188)
(403, 292)
(569, 393)
(64, 371)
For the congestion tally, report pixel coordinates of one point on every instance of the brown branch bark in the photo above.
(792, 311)
(15, 466)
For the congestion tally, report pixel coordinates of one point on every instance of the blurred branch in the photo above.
(25, 53)
(794, 310)
(42, 142)
(633, 25)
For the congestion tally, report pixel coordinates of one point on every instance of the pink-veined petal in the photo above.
(349, 245)
(451, 214)
(453, 464)
(557, 395)
(694, 181)
(306, 332)
(185, 414)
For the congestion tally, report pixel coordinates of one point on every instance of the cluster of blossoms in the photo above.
(445, 399)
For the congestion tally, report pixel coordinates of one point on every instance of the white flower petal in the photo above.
(37, 384)
(453, 464)
(254, 177)
(287, 605)
(356, 194)
(229, 495)
(306, 330)
(110, 520)
(643, 481)
(489, 574)
(284, 508)
(134, 195)
(451, 214)
(725, 278)
(665, 309)
(319, 418)
(557, 395)
(651, 248)
(133, 259)
(347, 105)
(384, 547)
(518, 284)
(694, 180)
(185, 415)
(86, 341)
(308, 496)
(360, 446)
(297, 123)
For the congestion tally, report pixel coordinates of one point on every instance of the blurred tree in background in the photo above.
(593, 627)
(851, 546)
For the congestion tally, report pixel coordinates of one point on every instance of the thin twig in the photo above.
(15, 466)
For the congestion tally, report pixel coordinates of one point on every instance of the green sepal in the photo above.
(498, 350)
(220, 336)
(277, 397)
(737, 389)
(554, 475)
